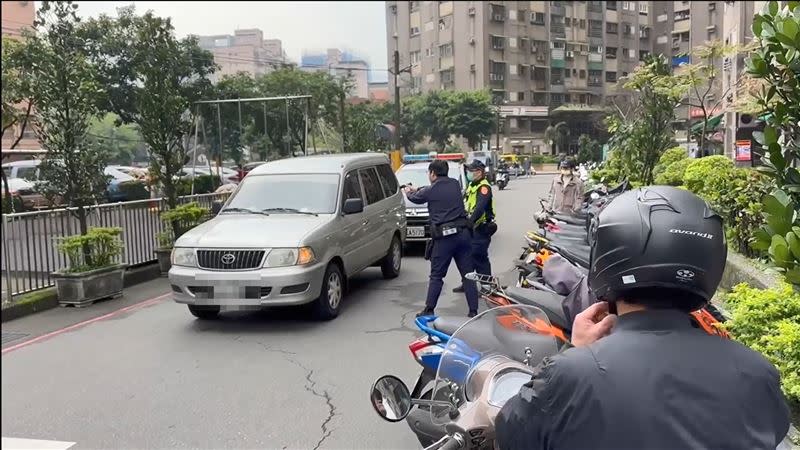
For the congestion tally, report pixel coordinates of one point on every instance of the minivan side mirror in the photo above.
(352, 206)
(216, 207)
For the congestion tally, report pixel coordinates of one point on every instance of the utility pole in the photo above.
(497, 129)
(396, 72)
(341, 119)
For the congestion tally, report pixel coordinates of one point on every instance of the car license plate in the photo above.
(415, 232)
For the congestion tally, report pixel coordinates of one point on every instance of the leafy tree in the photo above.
(589, 150)
(776, 62)
(66, 90)
(558, 137)
(123, 142)
(696, 83)
(411, 127)
(432, 117)
(640, 138)
(362, 123)
(470, 115)
(17, 97)
(152, 80)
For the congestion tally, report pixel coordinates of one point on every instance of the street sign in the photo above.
(743, 150)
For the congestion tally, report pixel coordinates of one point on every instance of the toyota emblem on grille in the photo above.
(228, 258)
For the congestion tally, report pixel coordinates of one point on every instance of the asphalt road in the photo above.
(151, 376)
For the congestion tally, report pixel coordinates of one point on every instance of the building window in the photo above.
(582, 74)
(643, 54)
(448, 76)
(414, 31)
(512, 69)
(512, 122)
(685, 37)
(611, 52)
(595, 28)
(537, 18)
(567, 73)
(446, 50)
(712, 6)
(512, 14)
(539, 99)
(644, 32)
(643, 8)
(682, 15)
(498, 42)
(512, 42)
(663, 39)
(596, 49)
(445, 23)
(520, 96)
(557, 44)
(611, 5)
(595, 78)
(582, 24)
(556, 76)
(611, 77)
(627, 29)
(415, 57)
(612, 28)
(497, 12)
(567, 22)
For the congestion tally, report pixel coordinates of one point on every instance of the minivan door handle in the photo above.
(365, 222)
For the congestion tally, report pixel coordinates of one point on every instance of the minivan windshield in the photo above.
(287, 194)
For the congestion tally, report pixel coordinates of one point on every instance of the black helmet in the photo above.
(476, 165)
(658, 238)
(567, 163)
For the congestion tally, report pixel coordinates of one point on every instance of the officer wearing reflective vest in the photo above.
(450, 234)
(479, 205)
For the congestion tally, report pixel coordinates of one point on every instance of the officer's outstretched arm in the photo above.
(418, 197)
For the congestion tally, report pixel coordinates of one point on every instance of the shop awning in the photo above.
(712, 123)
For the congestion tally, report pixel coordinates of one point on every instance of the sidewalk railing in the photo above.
(30, 254)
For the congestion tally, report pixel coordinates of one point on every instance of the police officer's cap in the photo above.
(476, 165)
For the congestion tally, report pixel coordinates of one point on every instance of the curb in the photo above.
(133, 276)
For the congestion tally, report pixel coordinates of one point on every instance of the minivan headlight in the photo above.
(284, 257)
(183, 256)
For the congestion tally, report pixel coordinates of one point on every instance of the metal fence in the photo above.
(30, 253)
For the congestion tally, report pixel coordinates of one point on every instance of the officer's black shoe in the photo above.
(425, 312)
(458, 289)
(472, 314)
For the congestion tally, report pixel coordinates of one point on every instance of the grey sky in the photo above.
(359, 27)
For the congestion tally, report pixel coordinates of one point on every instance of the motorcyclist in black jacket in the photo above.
(641, 376)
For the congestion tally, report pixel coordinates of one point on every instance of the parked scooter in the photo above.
(486, 362)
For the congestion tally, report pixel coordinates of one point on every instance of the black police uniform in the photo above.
(655, 383)
(450, 234)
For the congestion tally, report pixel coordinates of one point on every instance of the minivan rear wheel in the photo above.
(326, 307)
(390, 266)
(205, 312)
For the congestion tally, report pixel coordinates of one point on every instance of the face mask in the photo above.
(470, 177)
(566, 172)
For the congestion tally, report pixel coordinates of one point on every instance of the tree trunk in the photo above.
(83, 227)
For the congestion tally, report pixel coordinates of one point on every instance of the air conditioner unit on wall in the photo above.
(472, 11)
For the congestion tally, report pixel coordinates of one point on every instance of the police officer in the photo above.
(641, 375)
(450, 234)
(480, 208)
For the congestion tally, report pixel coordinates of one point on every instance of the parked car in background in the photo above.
(292, 233)
(27, 169)
(226, 175)
(415, 173)
(25, 196)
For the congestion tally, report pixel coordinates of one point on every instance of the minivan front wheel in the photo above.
(326, 307)
(204, 312)
(390, 266)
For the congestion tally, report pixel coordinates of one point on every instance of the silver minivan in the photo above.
(292, 233)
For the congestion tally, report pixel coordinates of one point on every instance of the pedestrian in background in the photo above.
(450, 234)
(566, 192)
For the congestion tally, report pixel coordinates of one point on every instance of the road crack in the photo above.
(310, 387)
(402, 328)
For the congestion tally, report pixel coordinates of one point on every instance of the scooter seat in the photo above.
(576, 255)
(572, 220)
(549, 302)
(449, 324)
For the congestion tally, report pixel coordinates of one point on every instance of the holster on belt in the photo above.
(487, 228)
(445, 229)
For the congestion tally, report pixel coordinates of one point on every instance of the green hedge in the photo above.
(768, 321)
(543, 159)
(203, 184)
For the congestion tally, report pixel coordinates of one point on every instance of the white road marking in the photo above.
(34, 444)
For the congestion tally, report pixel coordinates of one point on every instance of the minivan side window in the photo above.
(352, 187)
(372, 185)
(388, 180)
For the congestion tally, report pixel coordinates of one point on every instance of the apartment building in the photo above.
(544, 58)
(244, 51)
(340, 64)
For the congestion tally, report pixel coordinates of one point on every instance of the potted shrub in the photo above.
(94, 270)
(176, 222)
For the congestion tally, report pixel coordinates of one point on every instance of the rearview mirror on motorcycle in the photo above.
(390, 398)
